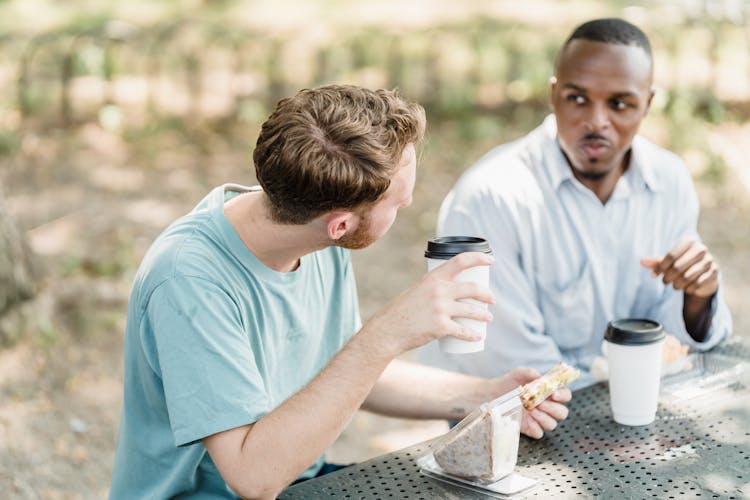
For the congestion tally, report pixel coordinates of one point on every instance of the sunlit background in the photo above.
(117, 117)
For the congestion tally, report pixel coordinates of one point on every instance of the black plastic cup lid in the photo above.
(634, 331)
(445, 247)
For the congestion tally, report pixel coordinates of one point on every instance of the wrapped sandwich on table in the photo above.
(484, 445)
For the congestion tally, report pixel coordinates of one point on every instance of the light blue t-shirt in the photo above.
(216, 340)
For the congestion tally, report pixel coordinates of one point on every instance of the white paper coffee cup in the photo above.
(633, 349)
(439, 250)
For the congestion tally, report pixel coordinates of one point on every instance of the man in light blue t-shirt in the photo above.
(244, 353)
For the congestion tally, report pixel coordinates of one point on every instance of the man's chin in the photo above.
(593, 175)
(593, 169)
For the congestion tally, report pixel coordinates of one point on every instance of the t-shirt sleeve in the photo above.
(210, 378)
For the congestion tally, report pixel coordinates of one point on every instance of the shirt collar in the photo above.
(643, 166)
(554, 160)
(559, 171)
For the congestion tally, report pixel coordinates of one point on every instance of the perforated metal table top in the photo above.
(696, 448)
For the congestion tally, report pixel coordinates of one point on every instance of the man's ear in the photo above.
(650, 98)
(339, 223)
(551, 96)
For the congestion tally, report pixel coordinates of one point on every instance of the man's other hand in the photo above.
(689, 266)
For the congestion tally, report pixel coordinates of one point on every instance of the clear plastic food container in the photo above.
(703, 373)
(482, 449)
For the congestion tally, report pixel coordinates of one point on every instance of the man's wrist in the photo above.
(697, 313)
(374, 344)
(480, 391)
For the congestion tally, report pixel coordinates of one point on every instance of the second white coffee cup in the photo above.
(633, 349)
(439, 250)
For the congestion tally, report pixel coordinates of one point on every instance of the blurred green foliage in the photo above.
(145, 69)
(9, 142)
(47, 335)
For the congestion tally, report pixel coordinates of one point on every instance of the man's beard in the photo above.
(360, 238)
(592, 176)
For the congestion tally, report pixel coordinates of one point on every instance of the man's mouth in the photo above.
(594, 148)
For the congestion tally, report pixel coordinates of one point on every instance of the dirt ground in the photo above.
(91, 205)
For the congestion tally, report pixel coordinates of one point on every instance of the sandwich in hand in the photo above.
(540, 389)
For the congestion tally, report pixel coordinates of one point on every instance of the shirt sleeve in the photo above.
(668, 310)
(209, 375)
(516, 336)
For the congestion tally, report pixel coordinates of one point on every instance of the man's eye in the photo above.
(577, 99)
(618, 104)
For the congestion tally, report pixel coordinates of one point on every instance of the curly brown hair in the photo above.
(333, 147)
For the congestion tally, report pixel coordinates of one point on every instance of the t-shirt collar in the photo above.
(235, 244)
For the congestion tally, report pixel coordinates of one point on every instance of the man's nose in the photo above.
(598, 118)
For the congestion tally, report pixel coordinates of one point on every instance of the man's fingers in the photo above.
(545, 421)
(706, 284)
(668, 260)
(555, 410)
(691, 256)
(473, 291)
(470, 311)
(650, 262)
(692, 275)
(461, 262)
(562, 395)
(689, 267)
(531, 428)
(684, 263)
(463, 333)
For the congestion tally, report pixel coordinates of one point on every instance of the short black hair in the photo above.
(611, 30)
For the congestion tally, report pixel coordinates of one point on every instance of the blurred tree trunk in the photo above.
(16, 269)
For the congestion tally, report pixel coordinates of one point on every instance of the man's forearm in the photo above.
(696, 311)
(275, 450)
(409, 390)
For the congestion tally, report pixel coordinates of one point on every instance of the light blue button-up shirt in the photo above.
(566, 264)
